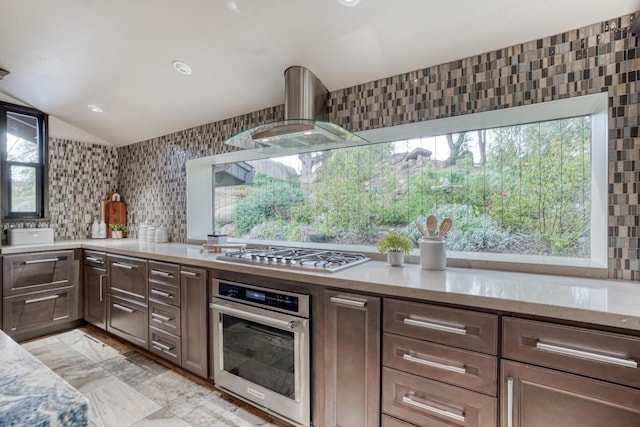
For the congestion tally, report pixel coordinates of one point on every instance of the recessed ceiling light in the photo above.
(349, 3)
(94, 108)
(181, 67)
(233, 6)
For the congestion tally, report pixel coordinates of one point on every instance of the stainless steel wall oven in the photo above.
(260, 347)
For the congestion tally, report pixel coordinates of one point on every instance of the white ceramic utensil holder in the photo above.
(433, 253)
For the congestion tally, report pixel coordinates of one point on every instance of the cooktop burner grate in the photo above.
(311, 259)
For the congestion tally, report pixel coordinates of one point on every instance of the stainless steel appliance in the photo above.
(311, 259)
(260, 347)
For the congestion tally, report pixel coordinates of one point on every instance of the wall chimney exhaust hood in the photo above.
(305, 127)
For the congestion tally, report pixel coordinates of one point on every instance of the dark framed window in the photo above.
(23, 165)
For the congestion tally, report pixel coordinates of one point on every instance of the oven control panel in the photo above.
(268, 298)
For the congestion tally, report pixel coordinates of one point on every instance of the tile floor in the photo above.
(127, 388)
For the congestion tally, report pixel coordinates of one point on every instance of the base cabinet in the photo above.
(95, 288)
(40, 293)
(128, 320)
(540, 397)
(27, 312)
(194, 311)
(352, 359)
(127, 302)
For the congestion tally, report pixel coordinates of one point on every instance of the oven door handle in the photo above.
(265, 320)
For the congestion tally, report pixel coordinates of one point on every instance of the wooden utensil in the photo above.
(421, 229)
(445, 226)
(432, 222)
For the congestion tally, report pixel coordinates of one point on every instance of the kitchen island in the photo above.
(31, 394)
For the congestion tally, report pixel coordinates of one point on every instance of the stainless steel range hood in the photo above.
(305, 127)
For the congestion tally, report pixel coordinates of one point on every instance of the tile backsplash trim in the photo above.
(592, 59)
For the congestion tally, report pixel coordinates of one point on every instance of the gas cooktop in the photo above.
(310, 259)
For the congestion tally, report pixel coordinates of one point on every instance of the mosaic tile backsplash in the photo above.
(603, 57)
(80, 175)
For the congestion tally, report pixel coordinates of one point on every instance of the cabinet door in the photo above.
(128, 320)
(538, 397)
(193, 285)
(352, 359)
(27, 312)
(95, 301)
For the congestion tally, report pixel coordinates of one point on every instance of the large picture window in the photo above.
(23, 162)
(534, 188)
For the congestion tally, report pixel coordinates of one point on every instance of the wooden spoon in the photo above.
(445, 226)
(421, 229)
(432, 221)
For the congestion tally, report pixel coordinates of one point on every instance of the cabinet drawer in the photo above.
(128, 320)
(538, 397)
(164, 293)
(127, 277)
(463, 368)
(603, 355)
(449, 326)
(94, 259)
(26, 312)
(162, 272)
(430, 403)
(165, 345)
(37, 271)
(164, 317)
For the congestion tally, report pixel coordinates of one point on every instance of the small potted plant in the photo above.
(117, 230)
(395, 245)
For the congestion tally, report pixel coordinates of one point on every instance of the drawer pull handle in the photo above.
(425, 362)
(94, 259)
(349, 301)
(161, 293)
(161, 273)
(102, 276)
(162, 346)
(188, 273)
(118, 264)
(409, 401)
(40, 261)
(161, 317)
(123, 308)
(509, 402)
(594, 357)
(435, 326)
(50, 297)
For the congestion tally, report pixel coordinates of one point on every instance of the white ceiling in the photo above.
(117, 54)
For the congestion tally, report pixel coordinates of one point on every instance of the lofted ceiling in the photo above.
(66, 54)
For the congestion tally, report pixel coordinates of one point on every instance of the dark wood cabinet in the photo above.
(95, 288)
(127, 302)
(40, 293)
(36, 310)
(352, 359)
(128, 320)
(194, 312)
(37, 271)
(435, 368)
(541, 397)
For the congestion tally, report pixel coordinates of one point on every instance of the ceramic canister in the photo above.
(433, 253)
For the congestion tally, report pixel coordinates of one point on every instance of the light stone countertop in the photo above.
(612, 303)
(33, 395)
